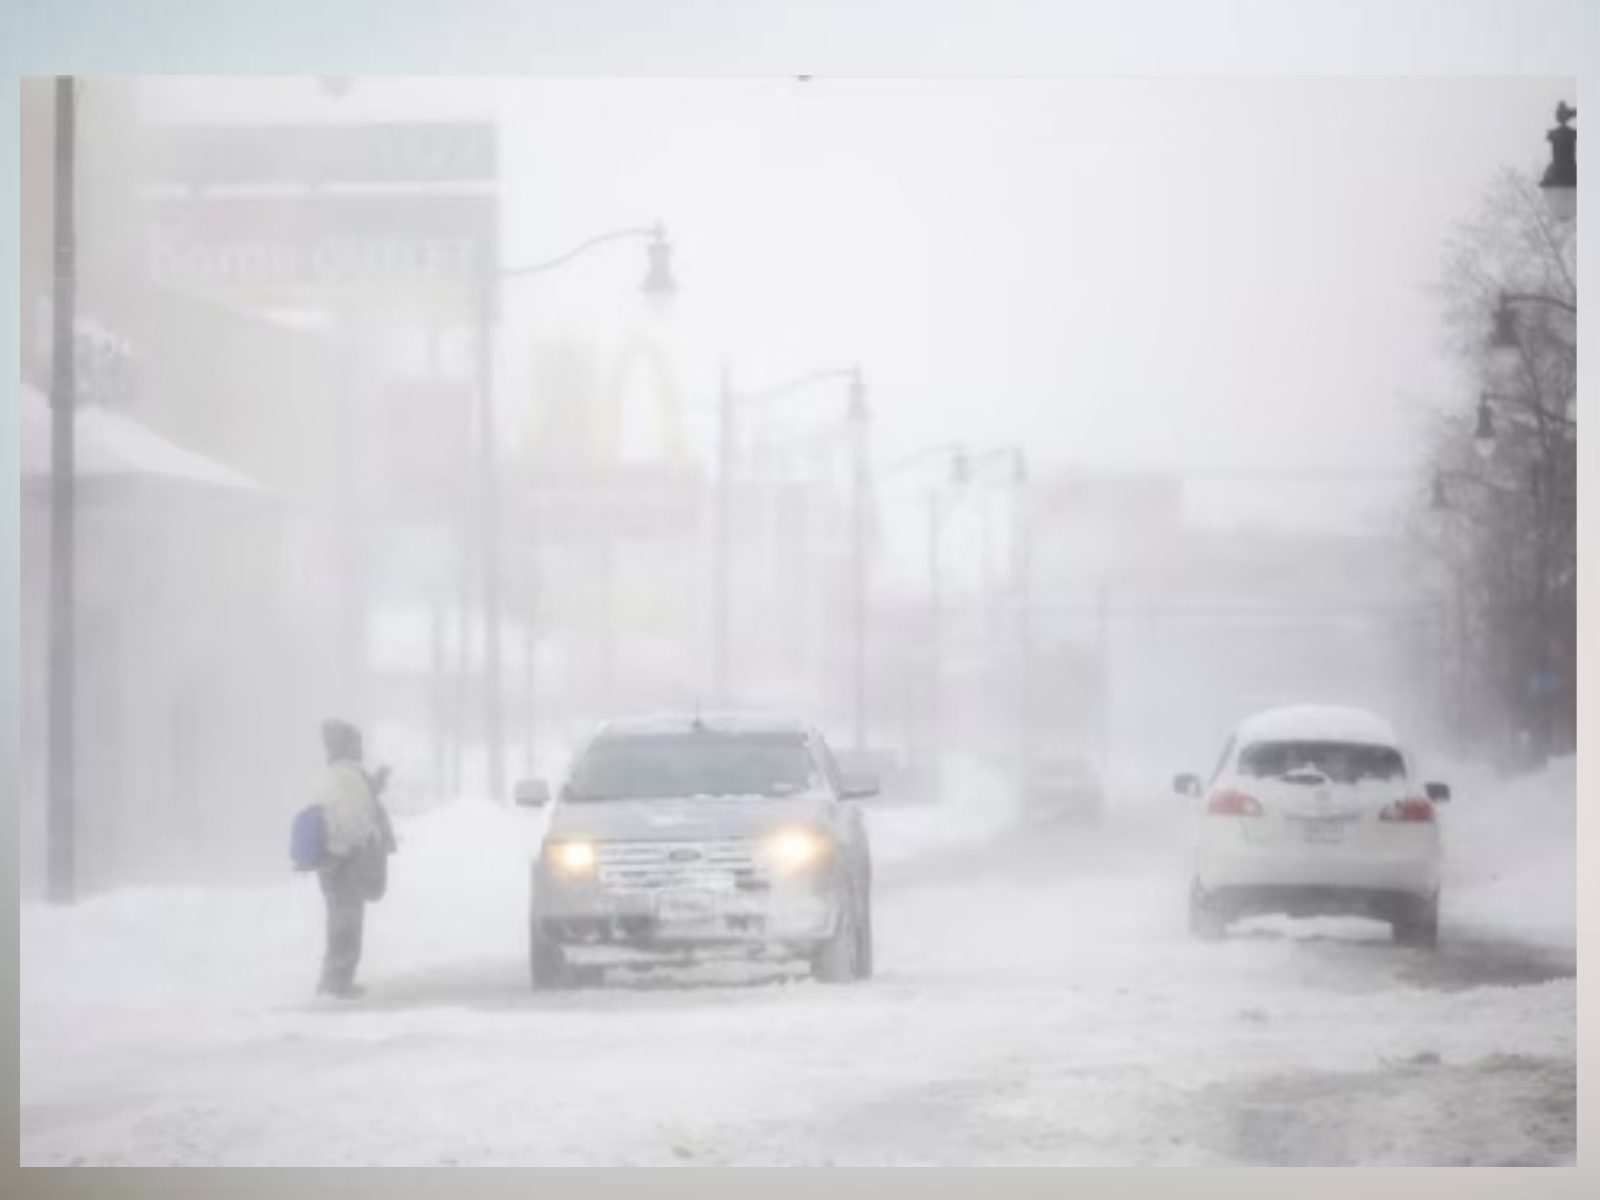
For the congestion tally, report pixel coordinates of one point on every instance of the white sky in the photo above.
(1204, 273)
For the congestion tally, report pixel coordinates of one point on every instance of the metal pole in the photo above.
(436, 695)
(530, 681)
(531, 540)
(62, 836)
(493, 718)
(1103, 624)
(723, 547)
(1024, 549)
(858, 571)
(935, 633)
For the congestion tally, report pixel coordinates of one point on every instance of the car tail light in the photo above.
(1229, 803)
(1412, 808)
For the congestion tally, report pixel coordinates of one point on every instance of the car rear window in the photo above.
(652, 767)
(1342, 762)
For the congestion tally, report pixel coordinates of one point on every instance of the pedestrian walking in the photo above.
(354, 867)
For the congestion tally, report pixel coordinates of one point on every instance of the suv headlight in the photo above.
(570, 858)
(797, 849)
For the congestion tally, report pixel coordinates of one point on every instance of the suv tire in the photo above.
(838, 960)
(1206, 921)
(864, 942)
(1417, 924)
(547, 966)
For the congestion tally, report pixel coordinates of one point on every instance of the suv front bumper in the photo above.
(669, 921)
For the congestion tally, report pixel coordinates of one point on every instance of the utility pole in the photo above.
(62, 834)
(1103, 636)
(858, 554)
(493, 717)
(722, 550)
(935, 631)
(1022, 533)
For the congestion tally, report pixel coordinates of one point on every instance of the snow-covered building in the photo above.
(186, 674)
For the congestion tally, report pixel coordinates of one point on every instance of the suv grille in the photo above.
(719, 865)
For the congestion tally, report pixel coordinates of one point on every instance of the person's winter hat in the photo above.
(341, 739)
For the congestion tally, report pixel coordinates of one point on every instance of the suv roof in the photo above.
(713, 722)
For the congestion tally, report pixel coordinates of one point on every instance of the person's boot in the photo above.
(341, 991)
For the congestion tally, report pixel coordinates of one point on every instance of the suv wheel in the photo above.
(1206, 921)
(1417, 924)
(547, 966)
(838, 960)
(864, 942)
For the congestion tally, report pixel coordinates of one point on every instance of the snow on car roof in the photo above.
(718, 722)
(1318, 722)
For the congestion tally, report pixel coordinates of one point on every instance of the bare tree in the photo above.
(1503, 526)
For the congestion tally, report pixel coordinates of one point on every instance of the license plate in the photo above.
(1323, 830)
(685, 907)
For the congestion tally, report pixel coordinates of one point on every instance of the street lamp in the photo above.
(658, 285)
(1560, 182)
(659, 282)
(1505, 342)
(1505, 348)
(1483, 439)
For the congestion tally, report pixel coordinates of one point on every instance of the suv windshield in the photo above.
(1341, 762)
(695, 764)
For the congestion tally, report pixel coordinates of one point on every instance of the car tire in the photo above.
(547, 965)
(1206, 921)
(1417, 926)
(838, 958)
(864, 941)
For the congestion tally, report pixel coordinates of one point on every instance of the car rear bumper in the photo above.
(1409, 866)
(1302, 900)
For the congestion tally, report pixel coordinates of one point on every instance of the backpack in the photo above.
(308, 838)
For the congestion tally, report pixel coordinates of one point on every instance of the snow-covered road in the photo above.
(1037, 1001)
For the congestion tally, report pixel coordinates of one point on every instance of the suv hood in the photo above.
(689, 818)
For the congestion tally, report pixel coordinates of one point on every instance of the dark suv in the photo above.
(679, 839)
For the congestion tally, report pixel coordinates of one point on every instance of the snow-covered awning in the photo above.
(114, 444)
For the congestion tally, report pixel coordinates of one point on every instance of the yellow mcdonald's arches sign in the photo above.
(580, 418)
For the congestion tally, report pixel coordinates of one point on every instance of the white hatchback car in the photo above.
(1315, 811)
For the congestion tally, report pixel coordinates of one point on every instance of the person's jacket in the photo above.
(354, 819)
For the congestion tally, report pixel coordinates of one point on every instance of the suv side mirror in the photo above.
(1187, 784)
(532, 793)
(860, 785)
(1439, 793)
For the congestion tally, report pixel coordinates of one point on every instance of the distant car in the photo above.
(679, 839)
(1062, 788)
(1316, 811)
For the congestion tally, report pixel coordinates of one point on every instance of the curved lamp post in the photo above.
(729, 402)
(658, 285)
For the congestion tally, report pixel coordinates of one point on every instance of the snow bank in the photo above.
(1511, 860)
